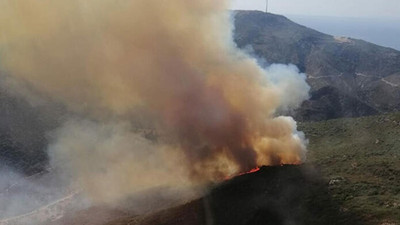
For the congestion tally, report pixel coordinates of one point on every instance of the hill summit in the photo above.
(348, 77)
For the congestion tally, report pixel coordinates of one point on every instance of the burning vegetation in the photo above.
(167, 65)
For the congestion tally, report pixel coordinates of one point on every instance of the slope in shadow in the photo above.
(271, 196)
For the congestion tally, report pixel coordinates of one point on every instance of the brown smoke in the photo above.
(171, 64)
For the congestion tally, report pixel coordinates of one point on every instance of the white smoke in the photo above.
(106, 154)
(290, 85)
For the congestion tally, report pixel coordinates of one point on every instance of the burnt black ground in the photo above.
(272, 196)
(277, 195)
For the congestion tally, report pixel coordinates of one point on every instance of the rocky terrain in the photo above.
(348, 77)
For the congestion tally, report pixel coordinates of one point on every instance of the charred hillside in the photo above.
(273, 195)
(348, 77)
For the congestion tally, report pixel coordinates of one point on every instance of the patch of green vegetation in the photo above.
(360, 158)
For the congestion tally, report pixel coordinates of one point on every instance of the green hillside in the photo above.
(360, 158)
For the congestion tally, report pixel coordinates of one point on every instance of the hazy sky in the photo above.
(342, 8)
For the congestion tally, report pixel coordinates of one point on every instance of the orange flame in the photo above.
(243, 173)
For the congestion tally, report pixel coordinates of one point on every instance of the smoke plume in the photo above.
(162, 94)
(290, 86)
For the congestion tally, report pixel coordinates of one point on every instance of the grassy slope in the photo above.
(361, 159)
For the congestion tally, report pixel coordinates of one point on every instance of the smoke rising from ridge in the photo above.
(170, 66)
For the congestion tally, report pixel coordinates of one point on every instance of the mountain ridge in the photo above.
(361, 78)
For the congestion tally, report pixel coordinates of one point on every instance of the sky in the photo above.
(336, 8)
(376, 21)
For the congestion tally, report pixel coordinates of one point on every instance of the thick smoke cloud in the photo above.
(121, 162)
(290, 85)
(167, 66)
